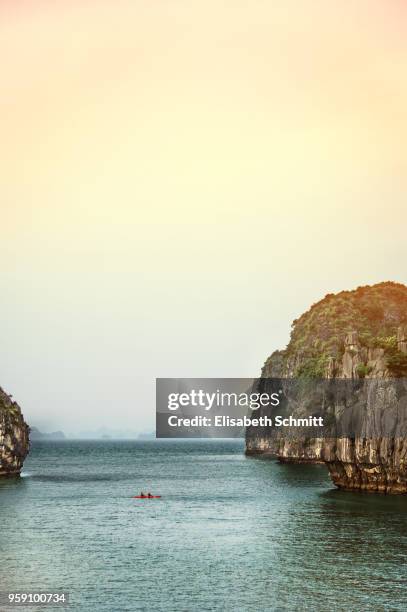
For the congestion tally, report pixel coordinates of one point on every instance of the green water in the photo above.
(230, 532)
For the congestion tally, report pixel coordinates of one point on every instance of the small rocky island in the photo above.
(359, 335)
(14, 436)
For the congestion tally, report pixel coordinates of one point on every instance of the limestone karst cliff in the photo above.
(14, 440)
(361, 336)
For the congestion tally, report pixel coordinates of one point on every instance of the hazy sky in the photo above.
(179, 180)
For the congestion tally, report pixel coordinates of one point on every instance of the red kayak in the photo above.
(146, 497)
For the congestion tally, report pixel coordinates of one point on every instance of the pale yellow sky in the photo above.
(179, 180)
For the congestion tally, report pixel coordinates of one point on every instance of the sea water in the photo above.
(229, 533)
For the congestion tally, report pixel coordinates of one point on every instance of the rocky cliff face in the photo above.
(374, 464)
(361, 336)
(14, 441)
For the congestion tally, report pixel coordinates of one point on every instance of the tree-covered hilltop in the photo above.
(376, 315)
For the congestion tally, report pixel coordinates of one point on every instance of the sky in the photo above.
(180, 180)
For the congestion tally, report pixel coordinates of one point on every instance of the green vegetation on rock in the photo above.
(397, 363)
(375, 312)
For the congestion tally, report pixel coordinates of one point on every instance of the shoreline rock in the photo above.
(356, 335)
(14, 437)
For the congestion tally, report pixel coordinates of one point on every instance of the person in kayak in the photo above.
(149, 494)
(142, 494)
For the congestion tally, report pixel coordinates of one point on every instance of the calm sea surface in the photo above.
(230, 532)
